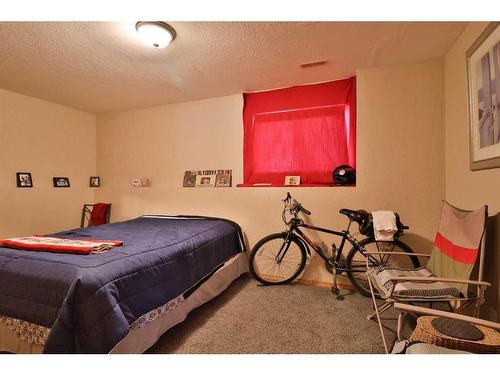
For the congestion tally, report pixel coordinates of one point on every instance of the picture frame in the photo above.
(141, 182)
(24, 180)
(292, 180)
(483, 95)
(189, 179)
(60, 182)
(205, 180)
(223, 180)
(94, 181)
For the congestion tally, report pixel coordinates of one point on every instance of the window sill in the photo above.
(292, 186)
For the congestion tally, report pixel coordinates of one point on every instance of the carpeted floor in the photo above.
(249, 318)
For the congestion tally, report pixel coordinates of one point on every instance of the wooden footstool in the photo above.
(458, 335)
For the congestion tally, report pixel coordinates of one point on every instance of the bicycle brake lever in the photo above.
(288, 198)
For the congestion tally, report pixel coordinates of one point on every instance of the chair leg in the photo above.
(477, 308)
(383, 307)
(401, 323)
(462, 307)
(378, 316)
(479, 301)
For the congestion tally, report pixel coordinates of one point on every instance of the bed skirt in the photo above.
(142, 336)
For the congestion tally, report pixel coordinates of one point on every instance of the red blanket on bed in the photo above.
(60, 245)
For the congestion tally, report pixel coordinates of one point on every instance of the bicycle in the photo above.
(279, 258)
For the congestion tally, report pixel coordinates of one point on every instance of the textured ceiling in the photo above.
(102, 66)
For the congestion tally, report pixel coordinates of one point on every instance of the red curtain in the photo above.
(302, 131)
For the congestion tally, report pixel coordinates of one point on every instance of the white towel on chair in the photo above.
(384, 225)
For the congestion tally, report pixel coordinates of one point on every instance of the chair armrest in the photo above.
(445, 314)
(445, 280)
(368, 253)
(397, 253)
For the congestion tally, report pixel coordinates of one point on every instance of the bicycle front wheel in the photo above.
(356, 260)
(277, 259)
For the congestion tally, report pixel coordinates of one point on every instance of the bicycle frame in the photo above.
(294, 228)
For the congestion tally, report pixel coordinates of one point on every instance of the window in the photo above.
(304, 131)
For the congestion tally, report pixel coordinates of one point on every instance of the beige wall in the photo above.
(400, 158)
(47, 140)
(465, 188)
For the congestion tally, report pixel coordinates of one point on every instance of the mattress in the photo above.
(90, 303)
(17, 336)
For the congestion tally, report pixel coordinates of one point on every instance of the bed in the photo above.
(122, 300)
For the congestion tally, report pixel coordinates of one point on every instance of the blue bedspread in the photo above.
(89, 301)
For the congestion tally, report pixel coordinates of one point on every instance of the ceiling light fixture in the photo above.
(155, 33)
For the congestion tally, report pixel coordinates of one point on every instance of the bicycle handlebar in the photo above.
(307, 212)
(293, 207)
(300, 208)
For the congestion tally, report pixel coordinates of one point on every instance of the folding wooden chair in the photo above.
(446, 276)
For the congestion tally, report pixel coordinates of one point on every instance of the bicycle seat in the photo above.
(355, 215)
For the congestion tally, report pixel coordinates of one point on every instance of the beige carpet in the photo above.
(249, 318)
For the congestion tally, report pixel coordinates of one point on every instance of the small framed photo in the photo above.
(292, 180)
(24, 180)
(140, 182)
(95, 181)
(189, 179)
(223, 180)
(205, 180)
(60, 182)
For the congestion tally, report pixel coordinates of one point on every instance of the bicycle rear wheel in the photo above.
(356, 260)
(277, 260)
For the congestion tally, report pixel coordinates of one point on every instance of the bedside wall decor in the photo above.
(24, 180)
(60, 182)
(95, 181)
(140, 182)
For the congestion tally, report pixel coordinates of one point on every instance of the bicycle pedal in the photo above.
(340, 297)
(335, 291)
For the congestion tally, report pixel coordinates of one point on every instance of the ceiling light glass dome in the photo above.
(155, 34)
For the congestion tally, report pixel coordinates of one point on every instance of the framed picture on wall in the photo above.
(205, 180)
(95, 181)
(189, 179)
(61, 182)
(292, 180)
(483, 89)
(223, 180)
(24, 180)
